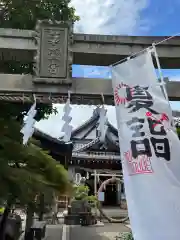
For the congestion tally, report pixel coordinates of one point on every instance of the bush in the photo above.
(81, 193)
(126, 236)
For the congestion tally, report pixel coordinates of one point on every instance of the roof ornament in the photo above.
(102, 127)
(67, 128)
(29, 121)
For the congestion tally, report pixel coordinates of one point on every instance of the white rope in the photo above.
(145, 49)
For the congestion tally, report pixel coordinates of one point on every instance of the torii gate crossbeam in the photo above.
(53, 48)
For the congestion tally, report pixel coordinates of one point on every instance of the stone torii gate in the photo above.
(53, 48)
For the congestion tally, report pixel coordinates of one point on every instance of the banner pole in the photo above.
(160, 72)
(163, 83)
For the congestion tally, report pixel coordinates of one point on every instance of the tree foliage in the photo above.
(178, 131)
(125, 236)
(27, 173)
(81, 193)
(26, 170)
(17, 111)
(23, 14)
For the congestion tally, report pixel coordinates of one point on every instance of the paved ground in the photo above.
(54, 232)
(115, 212)
(64, 232)
(107, 232)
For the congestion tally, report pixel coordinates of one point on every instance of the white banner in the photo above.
(150, 151)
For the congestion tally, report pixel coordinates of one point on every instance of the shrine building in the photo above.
(87, 152)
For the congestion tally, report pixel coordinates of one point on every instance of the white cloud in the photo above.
(110, 16)
(99, 17)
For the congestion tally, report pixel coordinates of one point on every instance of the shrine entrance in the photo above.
(113, 190)
(112, 187)
(110, 193)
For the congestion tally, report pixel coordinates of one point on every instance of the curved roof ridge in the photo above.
(86, 146)
(112, 141)
(93, 118)
(115, 130)
(38, 132)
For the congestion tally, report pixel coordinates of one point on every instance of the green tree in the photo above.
(81, 193)
(23, 14)
(26, 171)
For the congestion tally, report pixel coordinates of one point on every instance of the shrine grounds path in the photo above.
(107, 232)
(64, 232)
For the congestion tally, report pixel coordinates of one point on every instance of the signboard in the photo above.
(53, 52)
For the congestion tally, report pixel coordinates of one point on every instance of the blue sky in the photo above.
(162, 17)
(104, 72)
(156, 17)
(117, 17)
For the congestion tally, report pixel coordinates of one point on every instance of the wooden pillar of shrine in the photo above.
(118, 192)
